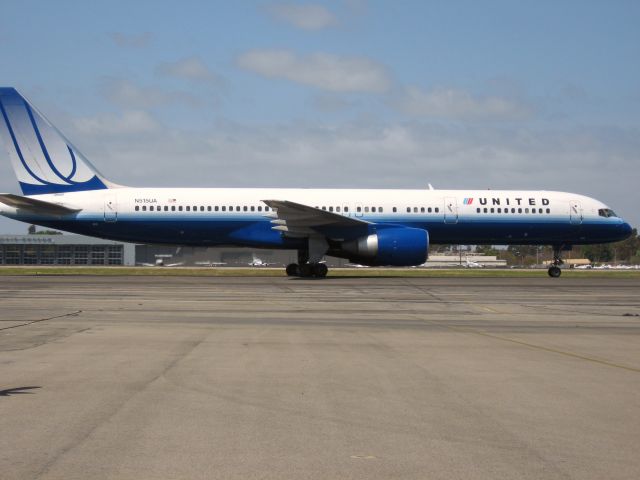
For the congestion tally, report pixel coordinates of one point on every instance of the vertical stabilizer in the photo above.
(43, 159)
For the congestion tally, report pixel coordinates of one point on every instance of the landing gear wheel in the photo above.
(305, 270)
(292, 270)
(554, 271)
(320, 270)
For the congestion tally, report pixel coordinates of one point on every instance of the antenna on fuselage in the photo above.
(430, 186)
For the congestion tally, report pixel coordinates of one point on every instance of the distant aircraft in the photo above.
(257, 262)
(62, 190)
(160, 262)
(471, 264)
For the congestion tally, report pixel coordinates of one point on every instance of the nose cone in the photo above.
(625, 230)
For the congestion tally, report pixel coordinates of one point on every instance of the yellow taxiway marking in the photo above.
(537, 347)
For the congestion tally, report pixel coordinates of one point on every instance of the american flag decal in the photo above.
(468, 201)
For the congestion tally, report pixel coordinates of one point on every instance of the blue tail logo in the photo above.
(43, 159)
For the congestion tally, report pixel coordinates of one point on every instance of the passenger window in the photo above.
(324, 208)
(477, 210)
(173, 208)
(144, 208)
(224, 208)
(519, 210)
(430, 210)
(437, 209)
(513, 210)
(499, 210)
(331, 209)
(408, 209)
(208, 208)
(485, 210)
(137, 208)
(492, 210)
(337, 209)
(346, 209)
(266, 209)
(373, 209)
(526, 210)
(394, 209)
(358, 209)
(379, 209)
(421, 209)
(244, 208)
(366, 209)
(548, 210)
(237, 208)
(259, 208)
(151, 209)
(216, 208)
(415, 209)
(166, 209)
(202, 208)
(253, 208)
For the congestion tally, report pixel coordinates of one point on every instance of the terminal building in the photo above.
(43, 249)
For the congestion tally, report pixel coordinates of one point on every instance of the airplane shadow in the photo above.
(17, 391)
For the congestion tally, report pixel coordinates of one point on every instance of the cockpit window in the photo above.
(606, 212)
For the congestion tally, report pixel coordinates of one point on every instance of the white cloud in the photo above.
(458, 104)
(133, 40)
(191, 68)
(127, 95)
(307, 16)
(320, 70)
(130, 122)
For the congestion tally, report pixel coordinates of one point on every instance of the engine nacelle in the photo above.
(398, 246)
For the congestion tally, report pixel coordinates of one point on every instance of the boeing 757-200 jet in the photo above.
(61, 189)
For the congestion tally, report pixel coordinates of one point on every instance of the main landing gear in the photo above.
(554, 270)
(308, 265)
(318, 270)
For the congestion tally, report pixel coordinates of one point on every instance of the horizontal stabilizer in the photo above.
(36, 206)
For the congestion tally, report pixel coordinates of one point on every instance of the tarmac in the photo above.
(341, 378)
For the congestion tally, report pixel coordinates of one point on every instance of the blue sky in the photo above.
(502, 94)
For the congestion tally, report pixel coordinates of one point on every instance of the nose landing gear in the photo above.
(554, 270)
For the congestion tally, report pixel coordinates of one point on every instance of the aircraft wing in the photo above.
(36, 206)
(300, 220)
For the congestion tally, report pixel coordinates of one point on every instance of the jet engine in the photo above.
(396, 246)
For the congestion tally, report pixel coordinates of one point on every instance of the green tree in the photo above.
(598, 253)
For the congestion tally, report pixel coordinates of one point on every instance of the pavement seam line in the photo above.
(539, 347)
(71, 314)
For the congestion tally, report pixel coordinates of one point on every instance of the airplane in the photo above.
(257, 262)
(160, 262)
(472, 264)
(61, 189)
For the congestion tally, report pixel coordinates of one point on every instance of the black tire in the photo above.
(293, 270)
(554, 272)
(320, 270)
(305, 270)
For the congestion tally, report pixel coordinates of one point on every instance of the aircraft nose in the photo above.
(625, 229)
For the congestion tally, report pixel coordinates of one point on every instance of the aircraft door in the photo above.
(110, 208)
(450, 210)
(575, 212)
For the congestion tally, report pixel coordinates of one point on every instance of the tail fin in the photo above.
(43, 159)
